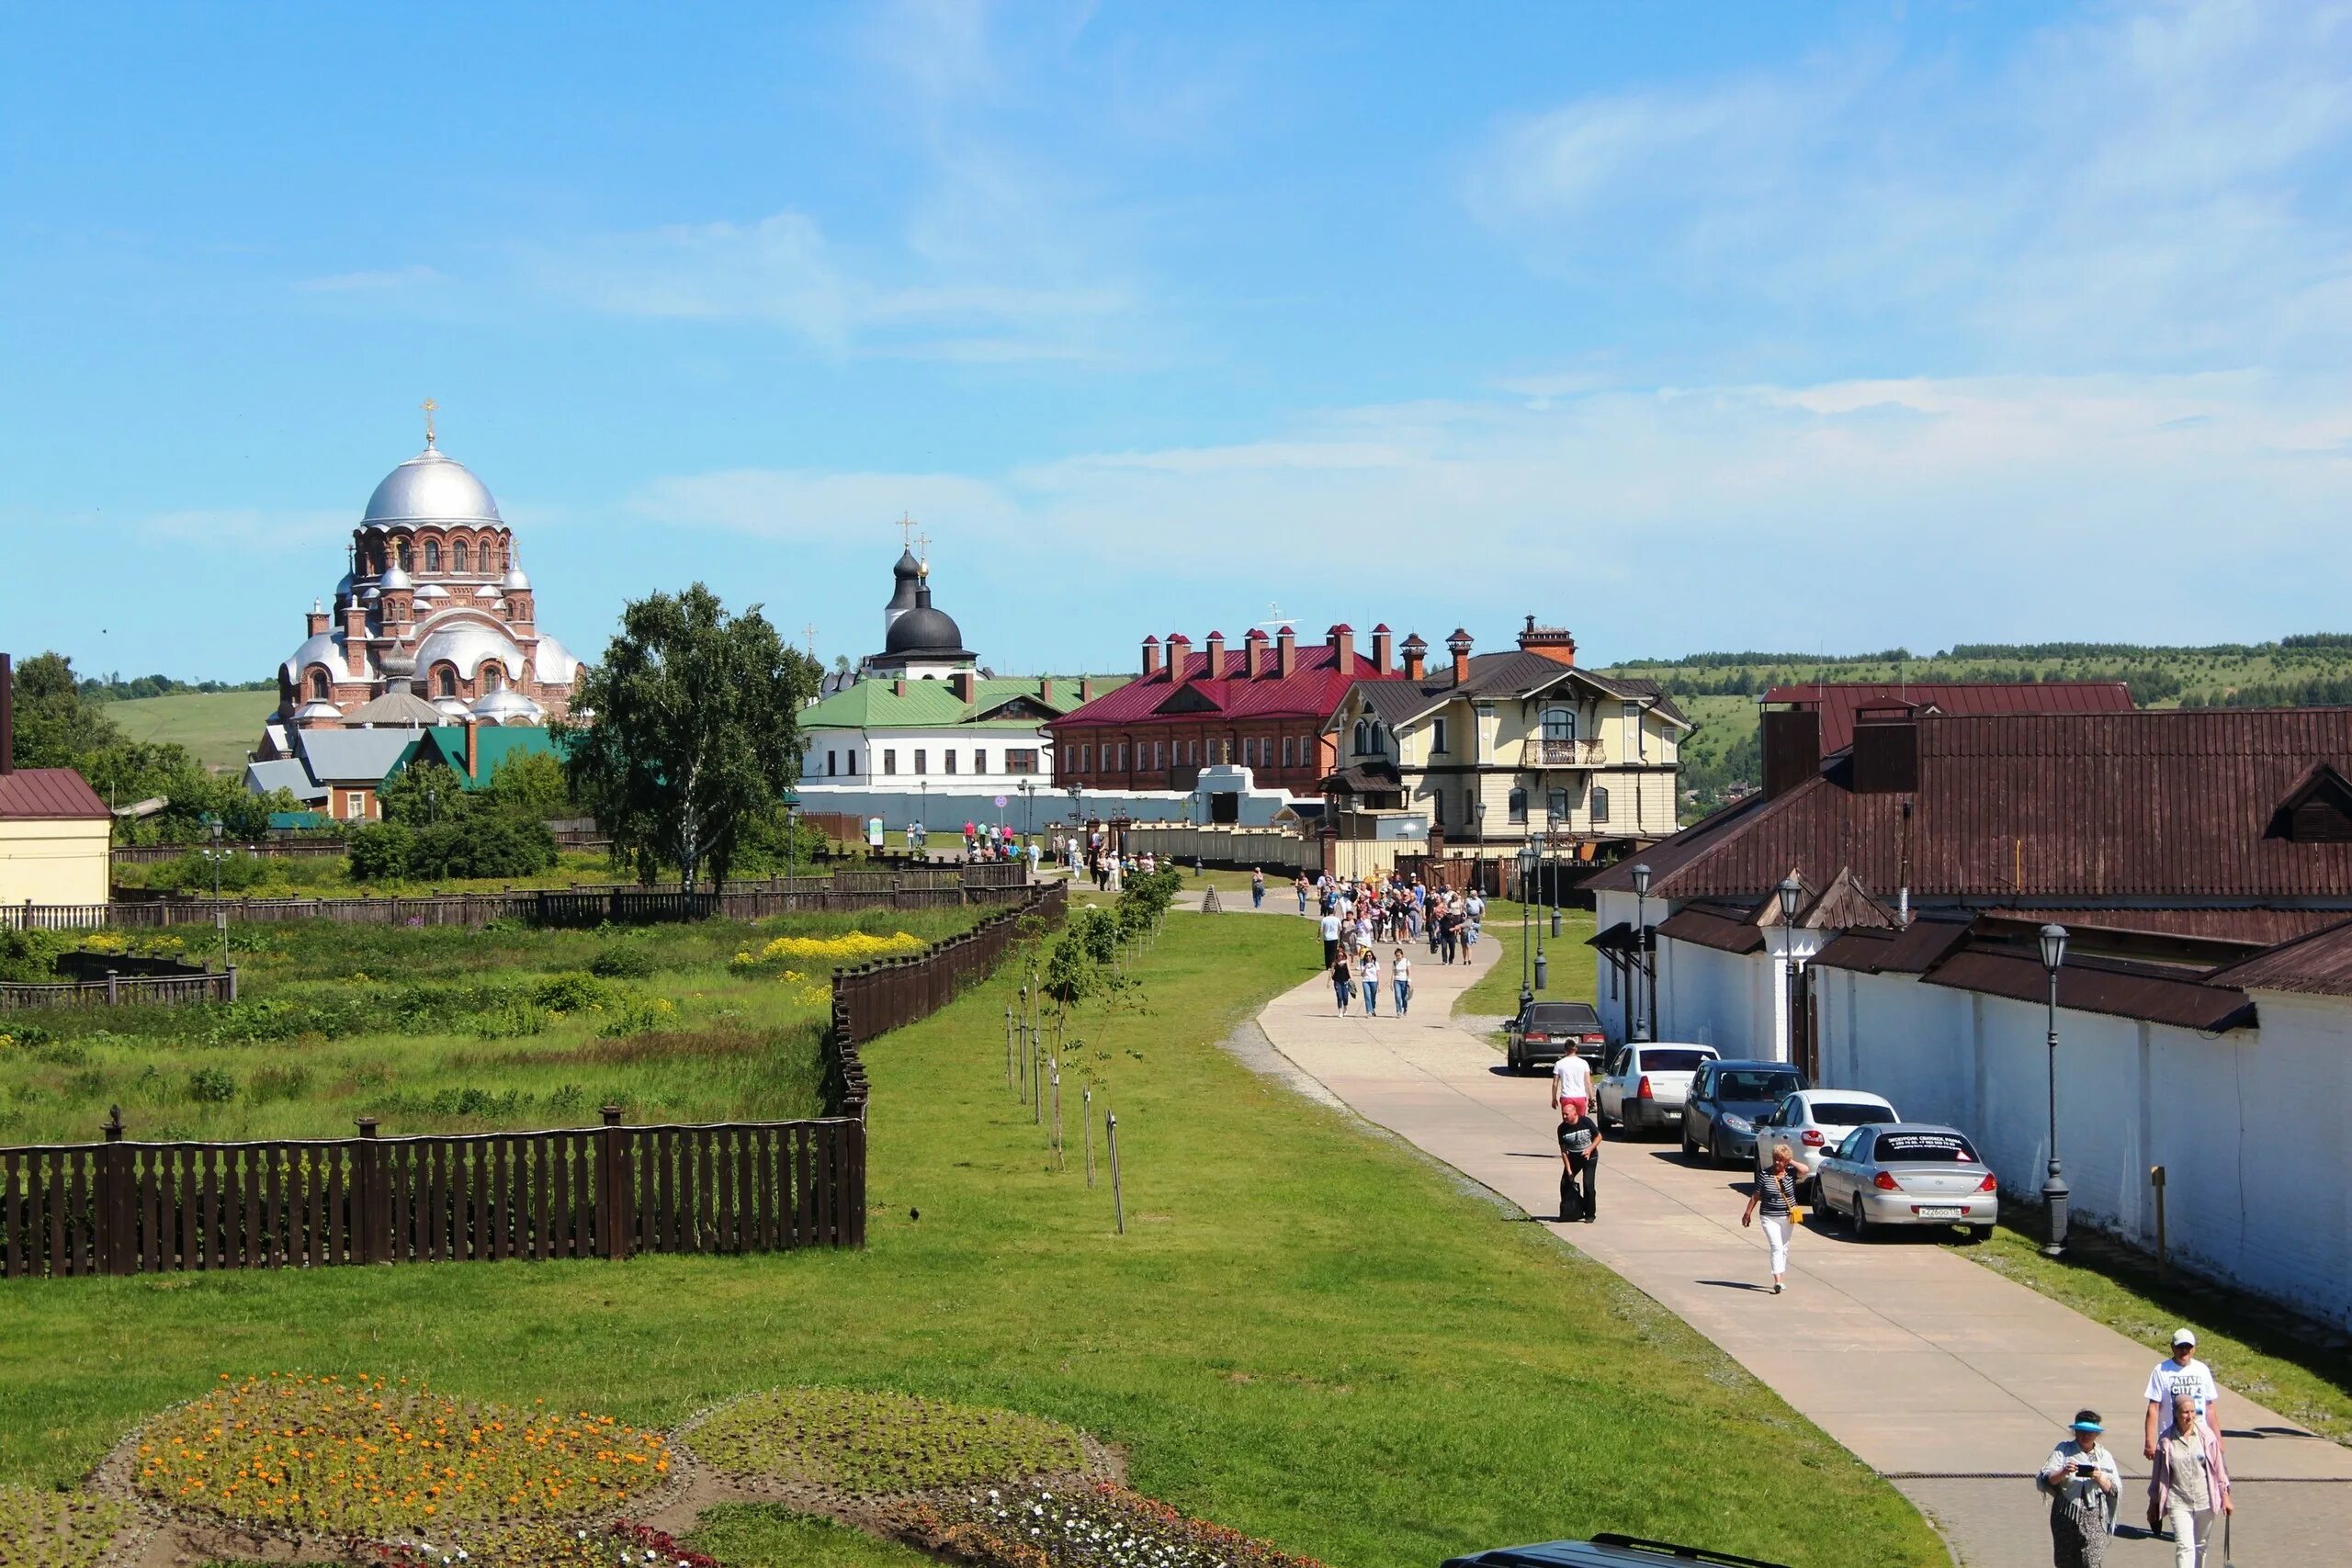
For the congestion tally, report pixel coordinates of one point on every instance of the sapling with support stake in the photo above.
(1085, 1127)
(1111, 1142)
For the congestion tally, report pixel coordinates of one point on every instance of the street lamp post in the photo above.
(1790, 893)
(1526, 869)
(219, 917)
(1552, 873)
(2055, 1190)
(1542, 960)
(1641, 948)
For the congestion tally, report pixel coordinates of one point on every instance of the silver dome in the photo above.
(555, 663)
(393, 579)
(467, 644)
(324, 649)
(485, 591)
(316, 710)
(430, 488)
(432, 591)
(507, 706)
(454, 709)
(514, 580)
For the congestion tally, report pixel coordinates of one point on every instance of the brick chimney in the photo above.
(1215, 671)
(1459, 645)
(1046, 691)
(1342, 639)
(1150, 657)
(1384, 647)
(1180, 656)
(960, 682)
(1286, 652)
(355, 638)
(1416, 657)
(1085, 689)
(318, 617)
(1551, 642)
(1253, 652)
(898, 687)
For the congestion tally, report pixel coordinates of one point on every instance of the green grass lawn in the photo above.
(220, 728)
(2251, 1351)
(1568, 967)
(329, 876)
(1306, 1333)
(442, 1029)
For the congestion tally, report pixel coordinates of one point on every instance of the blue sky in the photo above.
(1687, 326)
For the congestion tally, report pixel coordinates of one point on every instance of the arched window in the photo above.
(444, 682)
(1519, 806)
(400, 554)
(493, 676)
(432, 554)
(1379, 739)
(1363, 737)
(1559, 724)
(320, 687)
(462, 556)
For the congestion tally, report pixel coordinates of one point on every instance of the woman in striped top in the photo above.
(1776, 1198)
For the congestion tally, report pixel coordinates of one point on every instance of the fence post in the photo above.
(369, 1218)
(114, 988)
(232, 982)
(613, 1194)
(1118, 1198)
(113, 1242)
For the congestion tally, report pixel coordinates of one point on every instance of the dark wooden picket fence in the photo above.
(121, 1207)
(122, 990)
(125, 1207)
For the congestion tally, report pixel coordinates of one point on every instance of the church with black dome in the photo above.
(920, 641)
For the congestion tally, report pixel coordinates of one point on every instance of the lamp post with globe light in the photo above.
(1643, 1022)
(1526, 869)
(1790, 893)
(2055, 1190)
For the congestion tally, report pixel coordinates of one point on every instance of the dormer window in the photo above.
(2318, 810)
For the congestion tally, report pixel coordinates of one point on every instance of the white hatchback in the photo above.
(1814, 1122)
(1647, 1083)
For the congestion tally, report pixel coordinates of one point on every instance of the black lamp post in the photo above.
(220, 916)
(1533, 897)
(1552, 876)
(1526, 869)
(1790, 893)
(1641, 948)
(2055, 1190)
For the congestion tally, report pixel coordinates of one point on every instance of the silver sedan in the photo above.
(1908, 1173)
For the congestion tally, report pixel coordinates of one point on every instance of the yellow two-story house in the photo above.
(1497, 748)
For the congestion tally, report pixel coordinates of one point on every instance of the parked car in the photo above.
(1604, 1552)
(1814, 1122)
(1726, 1099)
(1909, 1173)
(1545, 1031)
(1646, 1083)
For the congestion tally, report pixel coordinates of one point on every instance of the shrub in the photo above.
(30, 958)
(572, 993)
(211, 1086)
(377, 1459)
(56, 1530)
(879, 1444)
(380, 851)
(193, 873)
(482, 845)
(622, 960)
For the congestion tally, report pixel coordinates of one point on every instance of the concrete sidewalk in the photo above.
(1940, 1374)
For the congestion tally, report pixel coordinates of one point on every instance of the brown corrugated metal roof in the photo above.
(1840, 700)
(2103, 985)
(2319, 963)
(2261, 928)
(1911, 950)
(2157, 804)
(55, 793)
(1618, 938)
(1724, 932)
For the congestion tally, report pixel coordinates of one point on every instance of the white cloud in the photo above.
(415, 276)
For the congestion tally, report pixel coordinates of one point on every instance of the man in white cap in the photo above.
(2179, 1373)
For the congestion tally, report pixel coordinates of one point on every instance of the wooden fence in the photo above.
(326, 847)
(123, 990)
(122, 1207)
(843, 892)
(119, 1207)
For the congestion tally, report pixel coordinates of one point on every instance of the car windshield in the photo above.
(1673, 1061)
(1917, 1148)
(1849, 1112)
(1756, 1084)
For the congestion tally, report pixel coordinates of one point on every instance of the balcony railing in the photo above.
(1542, 753)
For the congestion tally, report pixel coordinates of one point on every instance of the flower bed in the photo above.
(1093, 1527)
(56, 1530)
(372, 1459)
(832, 952)
(547, 1546)
(870, 1445)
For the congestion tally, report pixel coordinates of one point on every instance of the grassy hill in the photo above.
(1718, 690)
(219, 726)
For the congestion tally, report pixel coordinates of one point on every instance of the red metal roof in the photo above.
(57, 794)
(2106, 986)
(1839, 700)
(2167, 805)
(1313, 690)
(2319, 963)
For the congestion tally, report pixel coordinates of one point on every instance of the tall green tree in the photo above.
(692, 731)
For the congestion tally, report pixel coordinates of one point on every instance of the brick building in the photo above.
(1262, 706)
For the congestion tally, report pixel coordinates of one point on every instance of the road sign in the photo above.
(1000, 803)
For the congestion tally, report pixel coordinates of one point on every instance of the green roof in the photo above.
(933, 704)
(493, 744)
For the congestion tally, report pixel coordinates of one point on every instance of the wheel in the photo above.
(1690, 1149)
(1861, 1220)
(1715, 1148)
(1517, 1065)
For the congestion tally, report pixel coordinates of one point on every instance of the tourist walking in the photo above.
(1448, 931)
(1368, 970)
(2190, 1481)
(1579, 1167)
(1571, 1086)
(2177, 1373)
(1257, 889)
(1342, 982)
(1330, 935)
(2082, 1483)
(1300, 887)
(1775, 1200)
(1400, 973)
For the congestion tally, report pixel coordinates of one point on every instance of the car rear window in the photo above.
(1756, 1085)
(1849, 1112)
(1921, 1147)
(1673, 1061)
(1563, 1015)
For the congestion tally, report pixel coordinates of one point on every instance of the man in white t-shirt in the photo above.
(1331, 937)
(2181, 1372)
(1571, 1087)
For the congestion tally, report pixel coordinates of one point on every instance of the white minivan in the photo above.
(1647, 1082)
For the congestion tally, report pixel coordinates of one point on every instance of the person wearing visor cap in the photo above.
(2082, 1483)
(2181, 1372)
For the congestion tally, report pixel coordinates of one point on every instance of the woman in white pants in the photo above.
(2189, 1483)
(1775, 1199)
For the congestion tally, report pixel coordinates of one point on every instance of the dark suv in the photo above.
(1604, 1552)
(1727, 1099)
(1545, 1031)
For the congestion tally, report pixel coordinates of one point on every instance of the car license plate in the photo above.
(1935, 1212)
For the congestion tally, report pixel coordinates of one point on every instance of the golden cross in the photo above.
(923, 553)
(906, 527)
(428, 405)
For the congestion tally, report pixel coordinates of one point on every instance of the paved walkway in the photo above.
(1943, 1376)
